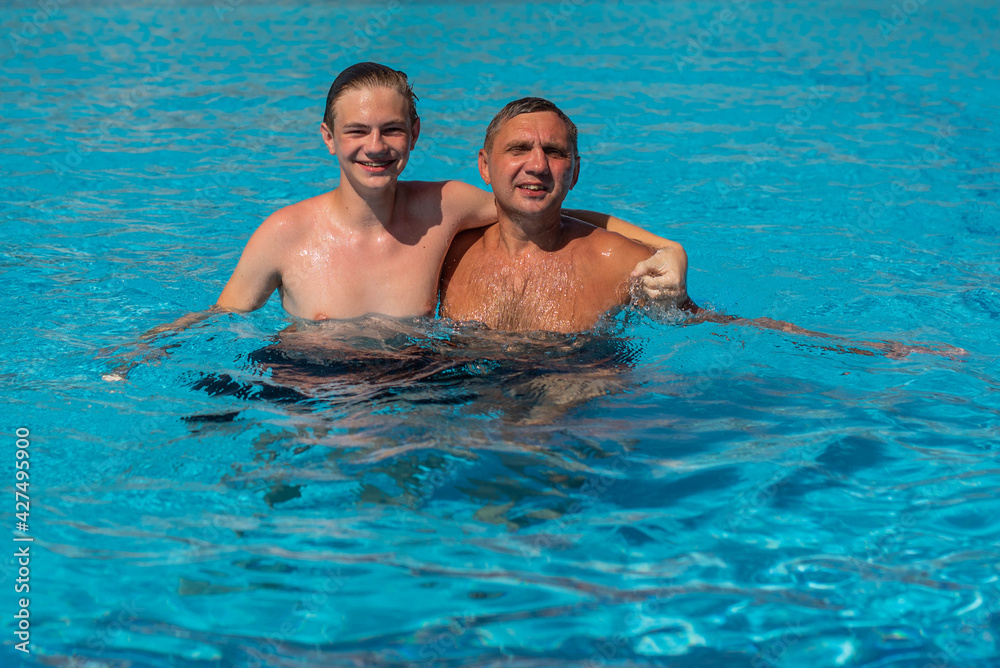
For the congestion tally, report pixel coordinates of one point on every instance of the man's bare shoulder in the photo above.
(467, 243)
(461, 260)
(602, 244)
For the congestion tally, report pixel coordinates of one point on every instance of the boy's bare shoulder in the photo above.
(421, 192)
(456, 199)
(296, 219)
(422, 200)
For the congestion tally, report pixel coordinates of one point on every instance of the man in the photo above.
(537, 268)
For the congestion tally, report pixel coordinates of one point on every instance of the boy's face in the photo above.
(372, 136)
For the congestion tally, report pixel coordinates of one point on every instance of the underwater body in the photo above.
(420, 492)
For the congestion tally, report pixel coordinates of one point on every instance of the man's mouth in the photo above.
(532, 187)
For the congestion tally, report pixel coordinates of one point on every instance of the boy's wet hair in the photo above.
(528, 105)
(369, 75)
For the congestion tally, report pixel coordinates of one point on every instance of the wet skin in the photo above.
(536, 269)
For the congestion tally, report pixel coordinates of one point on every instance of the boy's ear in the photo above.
(327, 134)
(414, 133)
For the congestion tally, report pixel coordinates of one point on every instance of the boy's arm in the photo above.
(253, 281)
(257, 274)
(663, 276)
(627, 230)
(473, 207)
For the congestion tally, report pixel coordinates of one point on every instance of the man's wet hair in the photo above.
(527, 105)
(369, 75)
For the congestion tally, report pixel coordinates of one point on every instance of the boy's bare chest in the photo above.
(347, 275)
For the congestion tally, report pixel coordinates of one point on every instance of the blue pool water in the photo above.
(418, 494)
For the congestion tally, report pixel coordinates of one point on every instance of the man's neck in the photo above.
(518, 234)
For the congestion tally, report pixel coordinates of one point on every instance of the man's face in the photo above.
(531, 164)
(372, 136)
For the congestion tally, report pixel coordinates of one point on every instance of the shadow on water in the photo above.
(385, 365)
(422, 411)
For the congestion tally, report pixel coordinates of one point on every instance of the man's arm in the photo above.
(838, 344)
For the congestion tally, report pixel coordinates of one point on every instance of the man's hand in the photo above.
(663, 277)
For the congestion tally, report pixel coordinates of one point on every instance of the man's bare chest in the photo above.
(549, 293)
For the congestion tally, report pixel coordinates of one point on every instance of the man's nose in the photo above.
(537, 161)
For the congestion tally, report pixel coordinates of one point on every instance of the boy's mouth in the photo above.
(375, 165)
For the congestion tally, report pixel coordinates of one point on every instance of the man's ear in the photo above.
(484, 168)
(324, 130)
(414, 133)
(576, 173)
